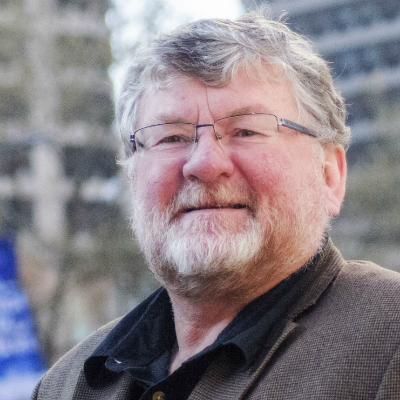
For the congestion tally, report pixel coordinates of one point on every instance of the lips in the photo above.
(216, 206)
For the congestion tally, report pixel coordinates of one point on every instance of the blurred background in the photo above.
(68, 262)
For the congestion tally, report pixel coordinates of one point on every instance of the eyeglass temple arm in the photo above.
(293, 125)
(133, 141)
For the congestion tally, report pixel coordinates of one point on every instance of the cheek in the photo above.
(269, 173)
(155, 184)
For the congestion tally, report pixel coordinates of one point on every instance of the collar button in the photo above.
(158, 396)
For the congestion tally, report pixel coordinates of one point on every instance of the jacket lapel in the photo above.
(222, 382)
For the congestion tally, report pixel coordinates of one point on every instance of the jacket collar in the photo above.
(329, 265)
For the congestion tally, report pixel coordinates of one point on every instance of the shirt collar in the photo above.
(139, 338)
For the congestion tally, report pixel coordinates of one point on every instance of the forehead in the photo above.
(188, 99)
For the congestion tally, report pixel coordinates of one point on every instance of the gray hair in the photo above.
(212, 50)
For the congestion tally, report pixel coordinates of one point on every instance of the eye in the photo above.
(176, 139)
(245, 133)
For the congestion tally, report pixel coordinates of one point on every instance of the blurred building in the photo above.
(60, 195)
(56, 110)
(361, 40)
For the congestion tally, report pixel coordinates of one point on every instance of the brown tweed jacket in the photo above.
(341, 341)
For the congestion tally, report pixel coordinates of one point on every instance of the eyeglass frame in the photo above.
(280, 122)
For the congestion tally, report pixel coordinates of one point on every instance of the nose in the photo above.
(208, 161)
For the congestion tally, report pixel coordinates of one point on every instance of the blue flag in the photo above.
(21, 363)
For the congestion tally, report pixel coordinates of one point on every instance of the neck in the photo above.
(198, 322)
(197, 325)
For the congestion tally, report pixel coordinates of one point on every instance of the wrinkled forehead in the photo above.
(170, 81)
(162, 90)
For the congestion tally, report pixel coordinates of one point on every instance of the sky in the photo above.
(207, 8)
(127, 27)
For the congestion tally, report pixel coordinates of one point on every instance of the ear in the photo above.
(335, 171)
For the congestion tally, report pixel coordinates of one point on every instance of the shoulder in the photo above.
(62, 377)
(362, 300)
(85, 348)
(346, 344)
(366, 281)
(370, 270)
(59, 382)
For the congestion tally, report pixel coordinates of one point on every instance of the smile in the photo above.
(213, 207)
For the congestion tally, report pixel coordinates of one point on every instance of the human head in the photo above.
(175, 78)
(213, 50)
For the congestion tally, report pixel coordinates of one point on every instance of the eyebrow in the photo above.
(168, 119)
(258, 108)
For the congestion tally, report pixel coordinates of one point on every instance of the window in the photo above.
(83, 51)
(83, 162)
(369, 58)
(13, 104)
(11, 46)
(367, 12)
(347, 63)
(13, 158)
(86, 106)
(344, 17)
(394, 96)
(319, 23)
(100, 6)
(94, 217)
(365, 59)
(7, 3)
(15, 214)
(391, 53)
(299, 23)
(358, 153)
(390, 9)
(360, 108)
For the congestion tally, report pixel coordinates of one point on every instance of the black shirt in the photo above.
(142, 342)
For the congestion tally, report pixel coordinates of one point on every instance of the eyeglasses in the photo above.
(237, 133)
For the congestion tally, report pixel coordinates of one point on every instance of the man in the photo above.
(235, 143)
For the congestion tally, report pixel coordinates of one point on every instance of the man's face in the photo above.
(222, 216)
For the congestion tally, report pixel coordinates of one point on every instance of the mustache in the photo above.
(196, 195)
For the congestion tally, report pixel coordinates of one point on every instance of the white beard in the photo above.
(212, 256)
